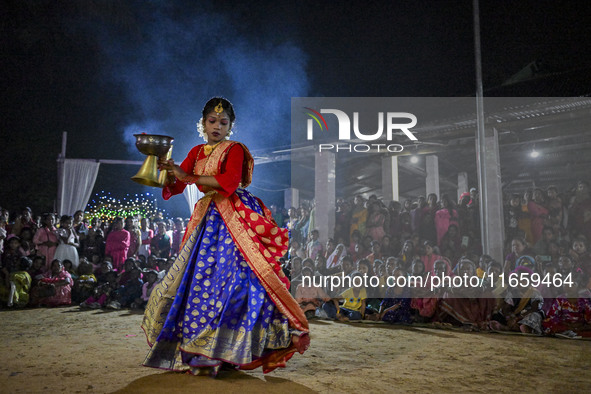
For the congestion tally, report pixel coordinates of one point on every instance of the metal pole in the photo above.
(60, 172)
(480, 134)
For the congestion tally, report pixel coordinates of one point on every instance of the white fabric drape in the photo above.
(192, 195)
(78, 179)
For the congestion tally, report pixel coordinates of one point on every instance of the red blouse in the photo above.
(229, 177)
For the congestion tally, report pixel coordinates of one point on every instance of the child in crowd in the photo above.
(513, 213)
(151, 278)
(17, 292)
(407, 254)
(395, 307)
(86, 283)
(104, 292)
(417, 270)
(296, 271)
(124, 275)
(68, 242)
(161, 243)
(131, 290)
(451, 243)
(163, 267)
(11, 257)
(491, 281)
(94, 243)
(376, 252)
(105, 268)
(565, 265)
(96, 260)
(146, 236)
(295, 249)
(314, 246)
(70, 268)
(355, 298)
(364, 267)
(483, 263)
(142, 261)
(372, 303)
(353, 244)
(152, 263)
(310, 298)
(27, 243)
(581, 258)
(37, 270)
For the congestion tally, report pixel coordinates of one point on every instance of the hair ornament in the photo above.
(219, 108)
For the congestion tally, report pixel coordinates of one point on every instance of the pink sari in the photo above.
(117, 247)
(537, 215)
(375, 226)
(63, 294)
(442, 221)
(45, 235)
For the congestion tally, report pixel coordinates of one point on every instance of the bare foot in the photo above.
(342, 318)
(495, 325)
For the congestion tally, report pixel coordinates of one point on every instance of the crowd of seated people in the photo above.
(541, 287)
(83, 262)
(75, 261)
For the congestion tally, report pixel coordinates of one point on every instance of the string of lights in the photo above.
(107, 207)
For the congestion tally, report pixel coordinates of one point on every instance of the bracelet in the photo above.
(170, 179)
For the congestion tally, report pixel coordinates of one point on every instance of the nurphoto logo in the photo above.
(394, 122)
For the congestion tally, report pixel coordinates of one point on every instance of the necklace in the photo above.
(207, 149)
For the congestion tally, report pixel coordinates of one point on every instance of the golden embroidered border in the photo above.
(208, 166)
(211, 166)
(214, 163)
(163, 294)
(276, 290)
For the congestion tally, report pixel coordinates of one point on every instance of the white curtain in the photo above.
(78, 179)
(192, 195)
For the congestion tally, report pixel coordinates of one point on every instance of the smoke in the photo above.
(175, 64)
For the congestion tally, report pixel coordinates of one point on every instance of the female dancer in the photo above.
(225, 299)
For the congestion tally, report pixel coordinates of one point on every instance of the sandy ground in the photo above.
(95, 351)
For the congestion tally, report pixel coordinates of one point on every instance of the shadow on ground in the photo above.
(225, 382)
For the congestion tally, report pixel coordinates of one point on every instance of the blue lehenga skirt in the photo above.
(221, 312)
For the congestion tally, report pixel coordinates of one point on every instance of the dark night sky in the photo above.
(103, 70)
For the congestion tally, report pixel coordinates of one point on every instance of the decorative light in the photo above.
(107, 208)
(534, 153)
(414, 159)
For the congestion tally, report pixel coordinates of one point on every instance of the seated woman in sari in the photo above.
(55, 289)
(225, 299)
(570, 313)
(521, 309)
(467, 304)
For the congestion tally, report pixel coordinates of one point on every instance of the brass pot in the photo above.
(154, 146)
